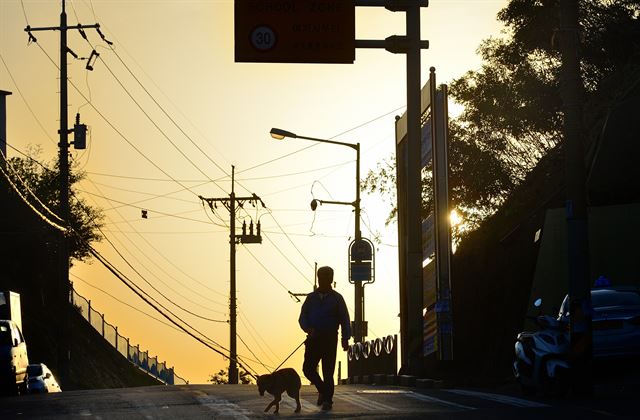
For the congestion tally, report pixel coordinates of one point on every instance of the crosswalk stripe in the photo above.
(306, 405)
(221, 407)
(517, 402)
(427, 398)
(365, 403)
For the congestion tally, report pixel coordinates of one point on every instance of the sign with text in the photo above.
(295, 31)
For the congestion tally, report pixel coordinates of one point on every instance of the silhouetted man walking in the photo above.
(322, 312)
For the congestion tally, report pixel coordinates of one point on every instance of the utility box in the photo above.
(10, 307)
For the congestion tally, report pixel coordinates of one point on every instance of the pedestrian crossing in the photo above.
(350, 400)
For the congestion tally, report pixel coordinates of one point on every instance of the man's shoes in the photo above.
(320, 399)
(326, 406)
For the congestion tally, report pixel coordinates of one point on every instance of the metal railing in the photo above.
(141, 359)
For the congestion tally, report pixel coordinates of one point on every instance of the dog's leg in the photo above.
(270, 405)
(295, 394)
(297, 402)
(277, 401)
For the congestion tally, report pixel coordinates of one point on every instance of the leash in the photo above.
(289, 356)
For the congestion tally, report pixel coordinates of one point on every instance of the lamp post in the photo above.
(279, 134)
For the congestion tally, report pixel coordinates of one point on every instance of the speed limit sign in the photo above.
(263, 38)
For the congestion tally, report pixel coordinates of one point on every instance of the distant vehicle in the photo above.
(13, 359)
(615, 320)
(41, 380)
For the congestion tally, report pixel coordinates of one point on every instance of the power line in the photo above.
(122, 278)
(115, 129)
(126, 304)
(25, 99)
(26, 201)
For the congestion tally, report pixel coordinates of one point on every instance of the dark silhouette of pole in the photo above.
(65, 333)
(360, 331)
(576, 204)
(413, 207)
(63, 286)
(230, 204)
(233, 353)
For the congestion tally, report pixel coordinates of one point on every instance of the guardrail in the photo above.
(378, 356)
(109, 332)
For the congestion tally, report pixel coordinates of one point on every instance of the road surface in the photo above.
(350, 401)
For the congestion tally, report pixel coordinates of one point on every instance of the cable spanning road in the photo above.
(351, 401)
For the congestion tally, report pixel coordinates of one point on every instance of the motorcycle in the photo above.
(541, 362)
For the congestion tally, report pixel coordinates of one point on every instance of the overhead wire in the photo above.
(6, 66)
(31, 206)
(206, 342)
(125, 303)
(171, 263)
(116, 130)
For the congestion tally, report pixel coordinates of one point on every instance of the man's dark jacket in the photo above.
(324, 312)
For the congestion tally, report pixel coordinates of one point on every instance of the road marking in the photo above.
(306, 405)
(427, 398)
(85, 413)
(222, 407)
(518, 402)
(365, 403)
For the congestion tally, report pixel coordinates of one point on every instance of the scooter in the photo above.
(541, 362)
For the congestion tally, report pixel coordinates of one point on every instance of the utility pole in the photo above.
(230, 204)
(581, 334)
(64, 209)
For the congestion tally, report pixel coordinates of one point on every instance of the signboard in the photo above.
(428, 237)
(361, 261)
(360, 271)
(361, 250)
(426, 145)
(295, 31)
(429, 300)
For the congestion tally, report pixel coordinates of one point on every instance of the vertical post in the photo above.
(233, 364)
(359, 333)
(3, 122)
(63, 347)
(576, 204)
(439, 129)
(414, 194)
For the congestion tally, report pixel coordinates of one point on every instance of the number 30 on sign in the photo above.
(263, 38)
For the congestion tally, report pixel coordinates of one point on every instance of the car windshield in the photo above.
(601, 298)
(5, 335)
(34, 370)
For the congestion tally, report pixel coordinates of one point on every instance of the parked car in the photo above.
(41, 380)
(13, 359)
(615, 320)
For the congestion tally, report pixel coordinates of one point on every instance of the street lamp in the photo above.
(280, 134)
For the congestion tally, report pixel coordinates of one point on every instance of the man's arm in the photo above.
(303, 320)
(345, 322)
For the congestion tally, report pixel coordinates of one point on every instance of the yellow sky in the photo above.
(182, 53)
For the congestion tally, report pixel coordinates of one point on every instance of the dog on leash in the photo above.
(278, 382)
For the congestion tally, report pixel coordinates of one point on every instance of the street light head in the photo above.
(314, 204)
(279, 134)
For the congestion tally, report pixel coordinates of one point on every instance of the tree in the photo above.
(512, 109)
(222, 377)
(33, 178)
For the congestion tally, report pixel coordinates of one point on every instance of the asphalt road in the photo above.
(350, 401)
